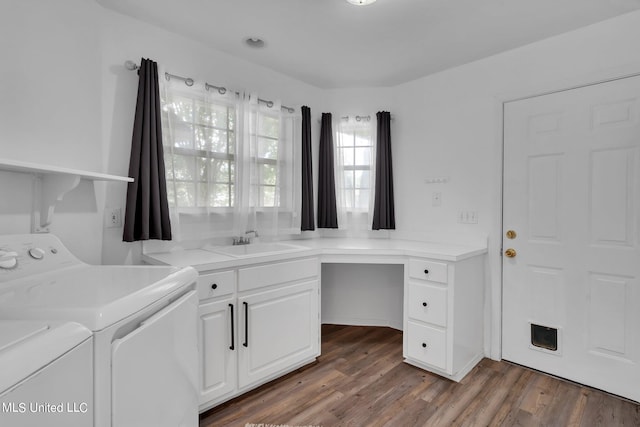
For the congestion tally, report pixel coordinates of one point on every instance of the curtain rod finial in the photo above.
(130, 65)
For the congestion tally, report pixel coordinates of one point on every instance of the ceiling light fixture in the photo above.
(255, 42)
(361, 2)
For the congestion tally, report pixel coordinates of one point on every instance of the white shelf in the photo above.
(51, 184)
(34, 168)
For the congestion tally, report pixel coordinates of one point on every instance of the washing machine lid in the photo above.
(28, 346)
(95, 296)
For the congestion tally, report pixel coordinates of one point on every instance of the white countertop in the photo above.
(206, 259)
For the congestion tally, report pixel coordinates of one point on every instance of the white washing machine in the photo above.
(143, 320)
(47, 374)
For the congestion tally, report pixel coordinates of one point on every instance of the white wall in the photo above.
(450, 124)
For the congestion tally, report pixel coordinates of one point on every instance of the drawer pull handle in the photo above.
(214, 286)
(424, 304)
(426, 271)
(233, 346)
(246, 324)
(424, 345)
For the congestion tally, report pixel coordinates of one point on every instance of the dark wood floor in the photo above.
(360, 380)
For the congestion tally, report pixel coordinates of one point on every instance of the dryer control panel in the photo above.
(28, 254)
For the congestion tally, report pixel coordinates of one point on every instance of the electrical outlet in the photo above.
(113, 218)
(468, 217)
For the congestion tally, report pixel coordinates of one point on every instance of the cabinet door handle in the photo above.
(424, 304)
(424, 345)
(426, 271)
(214, 286)
(233, 345)
(246, 324)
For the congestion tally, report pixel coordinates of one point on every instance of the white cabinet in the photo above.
(443, 315)
(256, 323)
(280, 328)
(217, 344)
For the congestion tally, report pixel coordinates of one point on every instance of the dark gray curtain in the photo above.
(147, 210)
(327, 211)
(307, 220)
(383, 208)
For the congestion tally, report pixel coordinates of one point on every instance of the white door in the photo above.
(218, 348)
(279, 329)
(571, 290)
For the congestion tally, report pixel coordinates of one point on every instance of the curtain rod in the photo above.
(366, 118)
(132, 66)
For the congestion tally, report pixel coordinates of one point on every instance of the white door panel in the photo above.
(279, 328)
(572, 195)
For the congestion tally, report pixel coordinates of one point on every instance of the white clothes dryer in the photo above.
(143, 319)
(47, 374)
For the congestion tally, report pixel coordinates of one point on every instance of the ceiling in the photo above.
(333, 44)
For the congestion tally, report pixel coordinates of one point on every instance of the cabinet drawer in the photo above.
(276, 273)
(428, 270)
(216, 284)
(427, 345)
(427, 303)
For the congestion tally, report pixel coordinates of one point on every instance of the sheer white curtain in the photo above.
(231, 163)
(354, 153)
(200, 141)
(269, 196)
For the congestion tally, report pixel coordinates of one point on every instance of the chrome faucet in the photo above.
(241, 240)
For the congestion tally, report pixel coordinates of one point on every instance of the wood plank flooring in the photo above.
(360, 380)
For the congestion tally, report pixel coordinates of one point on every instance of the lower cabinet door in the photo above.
(278, 329)
(427, 345)
(218, 346)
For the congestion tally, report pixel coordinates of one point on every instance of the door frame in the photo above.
(591, 79)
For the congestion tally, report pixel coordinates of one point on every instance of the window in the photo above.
(267, 160)
(199, 140)
(229, 164)
(355, 154)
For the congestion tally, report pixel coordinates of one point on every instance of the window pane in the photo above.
(201, 195)
(201, 168)
(267, 196)
(182, 134)
(268, 126)
(349, 199)
(218, 140)
(232, 142)
(363, 156)
(347, 156)
(267, 148)
(348, 179)
(179, 109)
(171, 195)
(344, 139)
(268, 174)
(220, 195)
(362, 199)
(168, 167)
(363, 137)
(220, 170)
(232, 118)
(202, 113)
(184, 167)
(185, 192)
(362, 179)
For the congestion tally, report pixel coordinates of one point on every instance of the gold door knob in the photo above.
(511, 234)
(510, 253)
